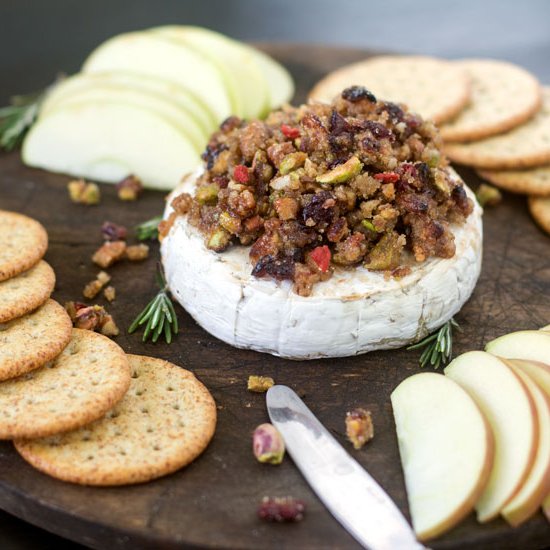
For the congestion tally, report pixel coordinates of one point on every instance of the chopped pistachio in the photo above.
(440, 181)
(359, 427)
(260, 384)
(218, 240)
(386, 253)
(292, 162)
(343, 172)
(369, 225)
(207, 194)
(230, 223)
(84, 193)
(268, 444)
(487, 195)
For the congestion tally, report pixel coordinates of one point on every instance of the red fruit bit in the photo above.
(321, 256)
(240, 174)
(281, 509)
(290, 132)
(387, 177)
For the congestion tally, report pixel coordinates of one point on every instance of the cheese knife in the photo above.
(345, 488)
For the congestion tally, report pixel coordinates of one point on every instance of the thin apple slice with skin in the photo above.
(145, 53)
(137, 98)
(510, 411)
(446, 449)
(523, 344)
(108, 141)
(167, 90)
(527, 500)
(241, 72)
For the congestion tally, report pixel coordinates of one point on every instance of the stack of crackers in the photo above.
(75, 405)
(493, 116)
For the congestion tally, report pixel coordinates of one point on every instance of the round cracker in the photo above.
(434, 88)
(79, 386)
(26, 291)
(503, 97)
(164, 422)
(23, 241)
(29, 342)
(526, 146)
(540, 210)
(534, 181)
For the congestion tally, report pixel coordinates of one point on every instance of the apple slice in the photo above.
(524, 344)
(446, 450)
(138, 98)
(246, 82)
(537, 484)
(510, 411)
(169, 91)
(145, 53)
(108, 141)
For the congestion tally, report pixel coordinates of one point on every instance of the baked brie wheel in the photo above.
(354, 312)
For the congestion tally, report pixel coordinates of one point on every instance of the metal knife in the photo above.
(346, 489)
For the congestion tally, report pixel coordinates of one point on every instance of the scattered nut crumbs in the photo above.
(359, 427)
(487, 195)
(109, 253)
(137, 252)
(91, 318)
(259, 384)
(92, 289)
(281, 509)
(129, 188)
(81, 192)
(267, 444)
(112, 232)
(109, 293)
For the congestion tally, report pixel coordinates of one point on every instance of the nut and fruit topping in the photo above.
(109, 293)
(81, 192)
(92, 289)
(137, 252)
(268, 444)
(260, 384)
(92, 318)
(487, 195)
(129, 188)
(112, 232)
(359, 427)
(358, 182)
(281, 509)
(109, 253)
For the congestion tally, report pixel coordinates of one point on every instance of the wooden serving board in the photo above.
(212, 503)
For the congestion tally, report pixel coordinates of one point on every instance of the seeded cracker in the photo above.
(23, 241)
(526, 146)
(533, 181)
(434, 88)
(86, 380)
(165, 421)
(26, 291)
(503, 97)
(540, 210)
(31, 341)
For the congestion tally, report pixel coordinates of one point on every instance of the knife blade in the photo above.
(352, 496)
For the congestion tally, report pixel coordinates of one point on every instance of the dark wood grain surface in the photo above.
(212, 503)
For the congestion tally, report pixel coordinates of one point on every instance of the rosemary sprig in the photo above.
(438, 346)
(158, 315)
(148, 230)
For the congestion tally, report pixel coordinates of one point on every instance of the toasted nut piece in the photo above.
(359, 427)
(110, 293)
(109, 253)
(260, 384)
(343, 172)
(81, 192)
(287, 208)
(129, 188)
(487, 195)
(137, 252)
(103, 277)
(92, 289)
(108, 326)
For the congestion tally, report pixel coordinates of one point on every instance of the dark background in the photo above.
(40, 38)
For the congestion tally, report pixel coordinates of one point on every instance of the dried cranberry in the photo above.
(113, 232)
(280, 267)
(395, 112)
(338, 124)
(416, 204)
(211, 153)
(318, 209)
(290, 132)
(377, 130)
(461, 199)
(387, 177)
(424, 172)
(230, 123)
(281, 509)
(240, 174)
(370, 145)
(221, 181)
(358, 93)
(321, 256)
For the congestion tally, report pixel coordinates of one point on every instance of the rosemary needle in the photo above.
(438, 347)
(158, 316)
(148, 230)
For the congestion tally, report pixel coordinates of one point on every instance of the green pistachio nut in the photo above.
(343, 172)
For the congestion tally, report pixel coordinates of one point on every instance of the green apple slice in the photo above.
(107, 141)
(446, 450)
(128, 96)
(168, 90)
(279, 81)
(510, 411)
(145, 53)
(243, 76)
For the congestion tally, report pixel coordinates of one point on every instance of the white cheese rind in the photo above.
(354, 312)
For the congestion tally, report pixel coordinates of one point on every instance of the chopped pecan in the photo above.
(109, 253)
(359, 427)
(129, 188)
(137, 252)
(81, 192)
